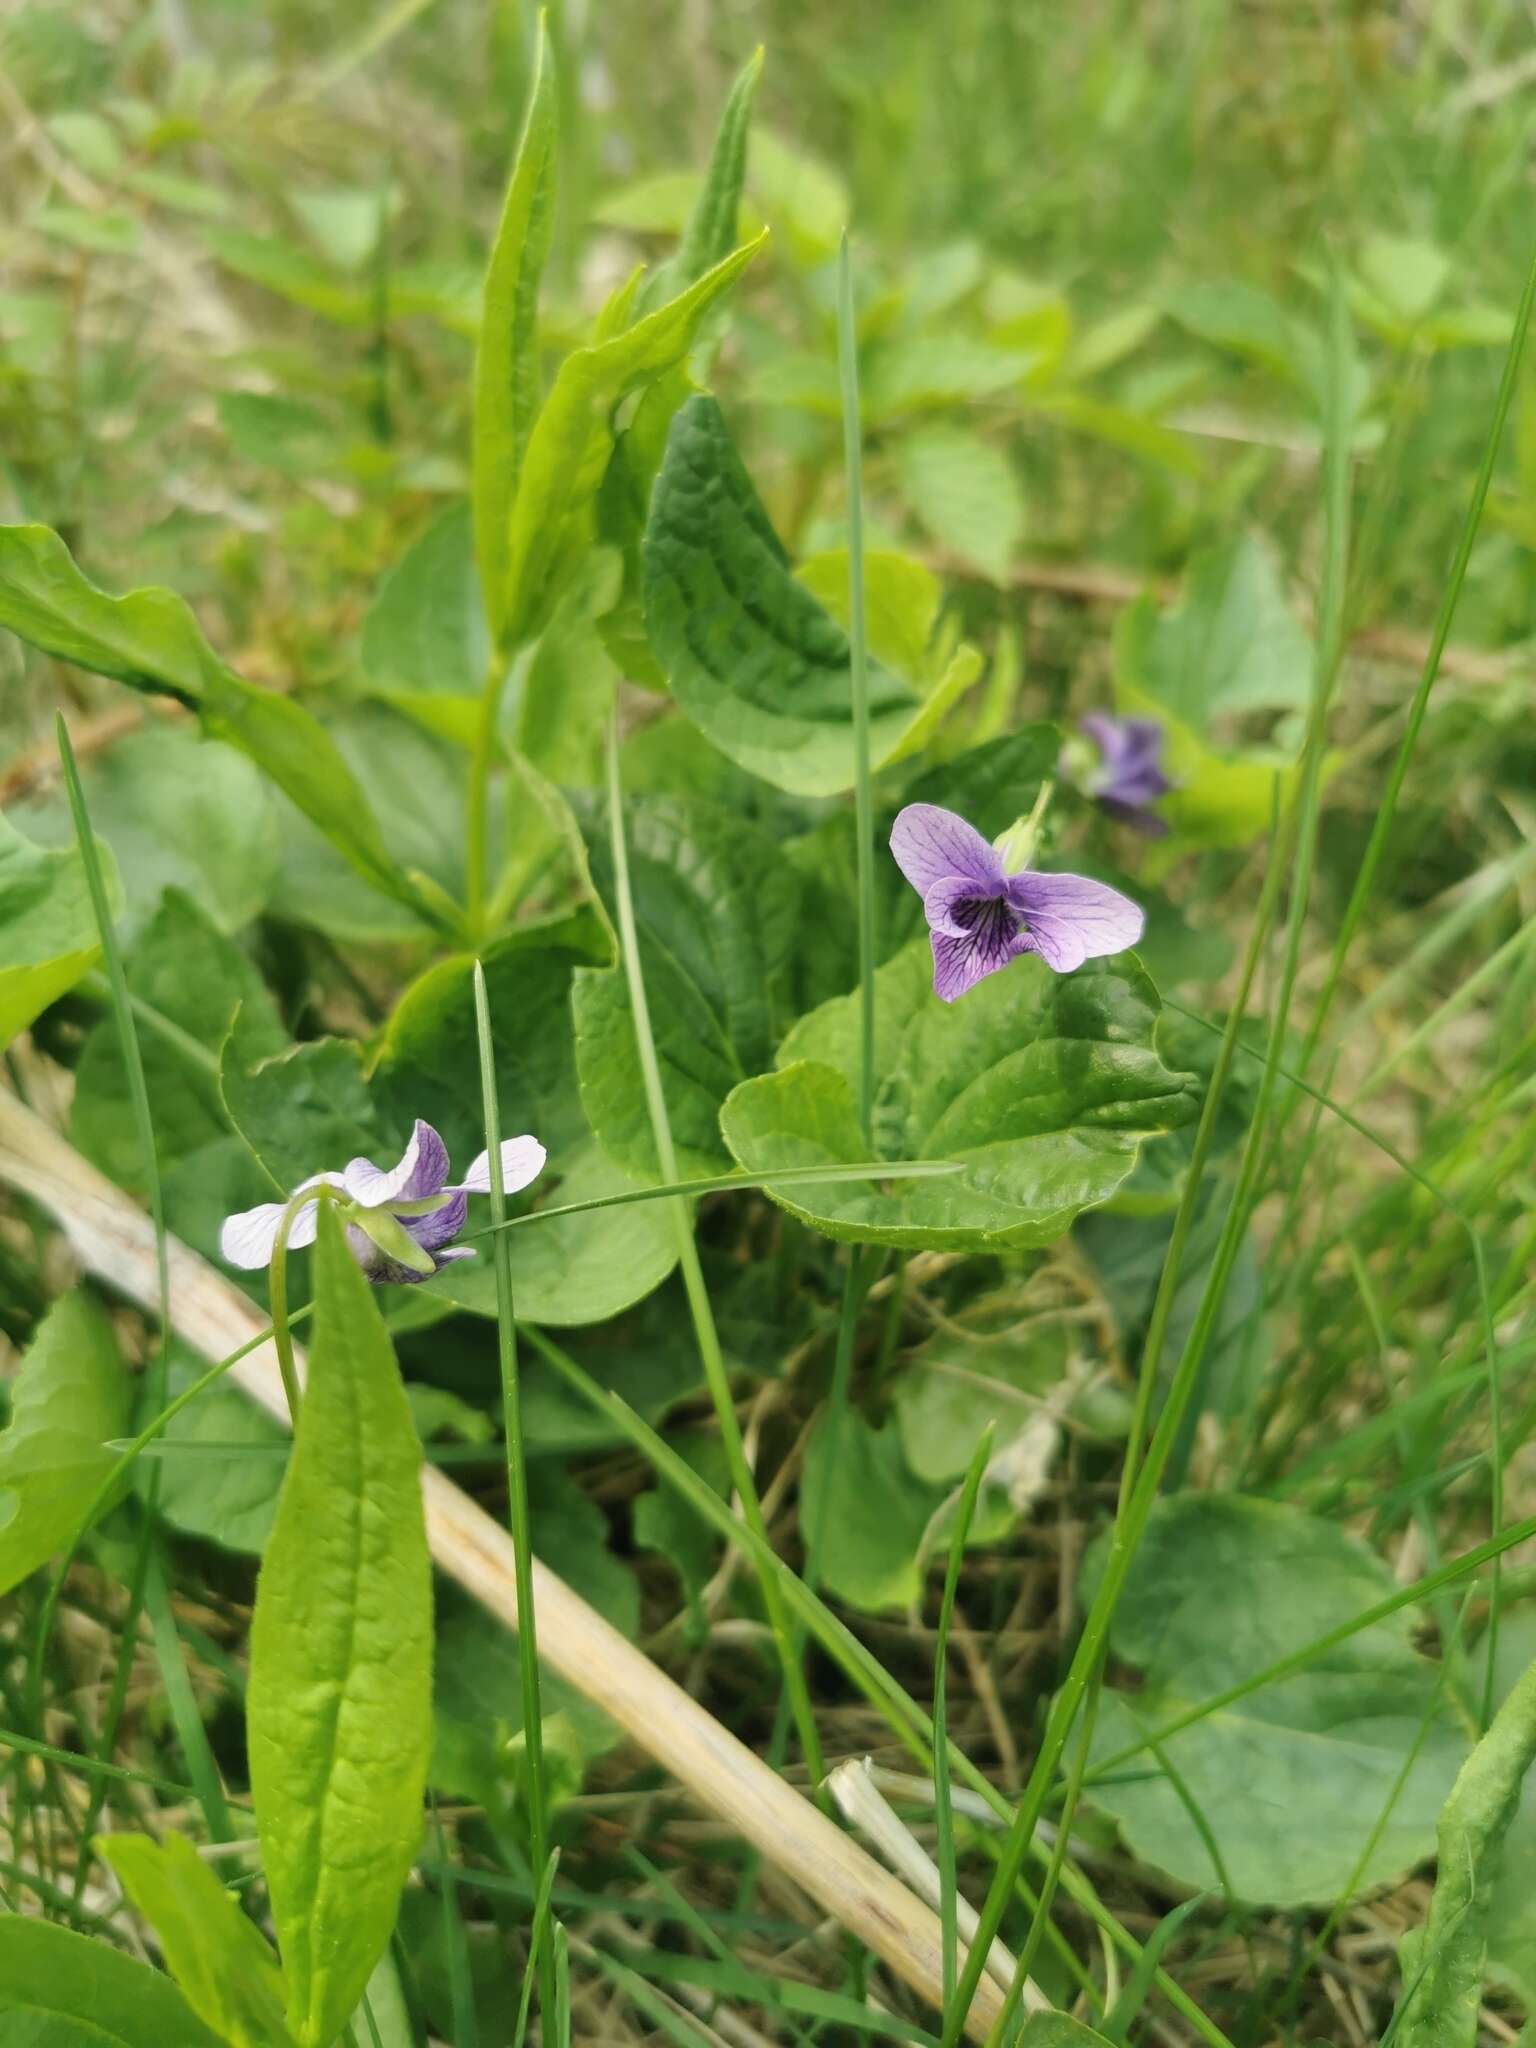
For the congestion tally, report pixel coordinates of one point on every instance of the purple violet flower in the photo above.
(401, 1220)
(1130, 778)
(981, 916)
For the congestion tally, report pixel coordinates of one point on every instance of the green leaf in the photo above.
(226, 1496)
(965, 493)
(227, 1973)
(1229, 646)
(506, 387)
(572, 440)
(716, 908)
(799, 196)
(1250, 323)
(925, 372)
(863, 1513)
(1055, 2030)
(711, 232)
(752, 657)
(424, 643)
(196, 980)
(47, 925)
(179, 811)
(1444, 1965)
(1511, 1905)
(984, 1365)
(293, 273)
(69, 1397)
(150, 640)
(561, 703)
(339, 1708)
(1292, 1779)
(1041, 1086)
(665, 1521)
(61, 1990)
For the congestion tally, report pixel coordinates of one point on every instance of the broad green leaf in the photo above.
(69, 1397)
(1230, 645)
(984, 1365)
(927, 372)
(62, 1990)
(646, 1356)
(286, 434)
(150, 640)
(562, 696)
(1043, 1087)
(1292, 1779)
(424, 643)
(1444, 1964)
(712, 229)
(47, 925)
(1408, 276)
(227, 1495)
(227, 1973)
(571, 441)
(965, 493)
(339, 1707)
(716, 909)
(752, 658)
(179, 811)
(863, 1513)
(1250, 323)
(665, 1521)
(294, 273)
(506, 385)
(196, 980)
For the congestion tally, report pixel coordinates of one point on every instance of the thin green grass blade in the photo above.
(943, 1812)
(536, 1793)
(538, 1940)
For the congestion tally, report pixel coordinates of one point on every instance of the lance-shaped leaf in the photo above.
(424, 643)
(1043, 1087)
(507, 349)
(710, 234)
(569, 448)
(752, 656)
(150, 640)
(63, 1990)
(716, 909)
(67, 1401)
(227, 1973)
(47, 926)
(339, 1710)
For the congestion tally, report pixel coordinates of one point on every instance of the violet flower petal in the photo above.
(421, 1171)
(1072, 918)
(930, 844)
(522, 1161)
(439, 1226)
(247, 1238)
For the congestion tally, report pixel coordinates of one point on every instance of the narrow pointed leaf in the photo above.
(507, 351)
(226, 1971)
(339, 1707)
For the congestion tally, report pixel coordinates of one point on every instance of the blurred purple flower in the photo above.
(1130, 777)
(401, 1220)
(980, 916)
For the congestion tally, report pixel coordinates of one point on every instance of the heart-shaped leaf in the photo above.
(1042, 1087)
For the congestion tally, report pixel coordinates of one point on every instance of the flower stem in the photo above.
(277, 1291)
(478, 796)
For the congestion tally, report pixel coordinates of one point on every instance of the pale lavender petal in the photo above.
(421, 1171)
(1131, 751)
(455, 1251)
(247, 1238)
(441, 1226)
(1072, 918)
(931, 843)
(522, 1160)
(953, 906)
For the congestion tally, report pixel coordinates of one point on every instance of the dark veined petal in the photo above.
(930, 844)
(983, 937)
(440, 1226)
(1072, 918)
(420, 1171)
